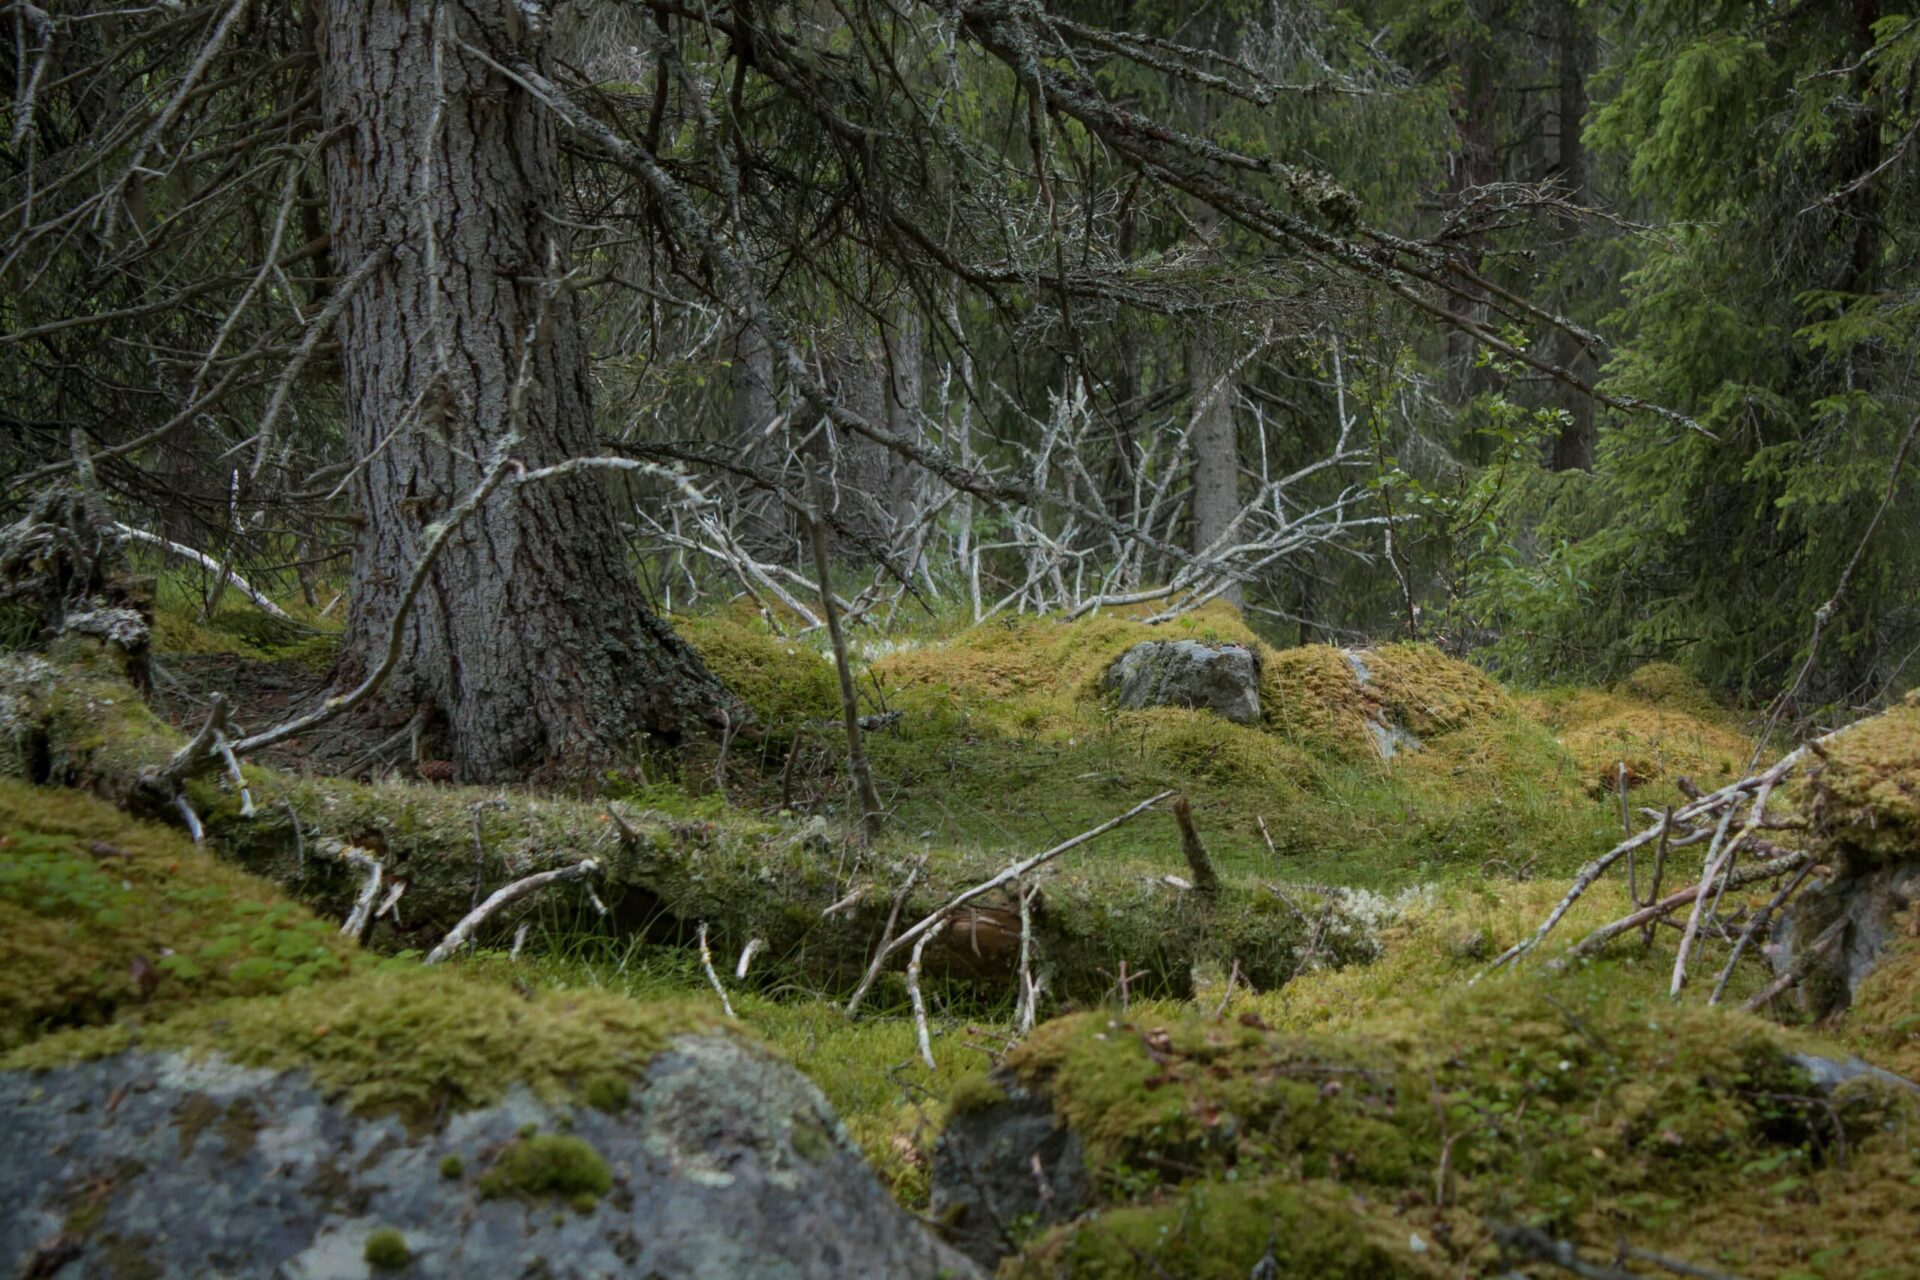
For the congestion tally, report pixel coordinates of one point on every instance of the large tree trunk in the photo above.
(532, 645)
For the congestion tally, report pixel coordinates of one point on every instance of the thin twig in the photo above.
(913, 994)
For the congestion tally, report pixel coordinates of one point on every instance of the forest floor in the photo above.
(998, 742)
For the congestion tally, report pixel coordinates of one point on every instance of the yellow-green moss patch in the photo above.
(386, 1250)
(99, 913)
(1867, 787)
(549, 1164)
(408, 1040)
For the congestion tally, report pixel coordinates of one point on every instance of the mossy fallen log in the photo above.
(72, 719)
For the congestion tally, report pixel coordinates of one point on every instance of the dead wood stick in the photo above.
(1262, 822)
(1626, 830)
(199, 748)
(1799, 969)
(1659, 872)
(706, 962)
(1648, 916)
(913, 994)
(1683, 816)
(1194, 848)
(360, 919)
(205, 561)
(457, 937)
(1717, 854)
(1753, 928)
(886, 936)
(1016, 871)
(747, 953)
(1029, 989)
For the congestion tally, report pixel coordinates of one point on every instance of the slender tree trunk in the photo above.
(1216, 451)
(754, 405)
(905, 397)
(1573, 448)
(532, 646)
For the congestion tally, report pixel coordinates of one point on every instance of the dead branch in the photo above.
(1194, 848)
(458, 936)
(913, 994)
(706, 963)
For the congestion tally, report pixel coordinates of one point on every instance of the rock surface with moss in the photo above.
(283, 1102)
(1220, 1147)
(1862, 799)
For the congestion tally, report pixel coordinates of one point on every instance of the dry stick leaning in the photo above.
(706, 962)
(500, 897)
(1661, 830)
(1011, 873)
(913, 994)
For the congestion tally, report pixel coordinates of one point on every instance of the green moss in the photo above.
(1569, 1104)
(386, 1250)
(810, 1138)
(452, 1167)
(1226, 1232)
(407, 1040)
(1657, 723)
(607, 1093)
(975, 1091)
(786, 682)
(100, 914)
(549, 1165)
(1866, 788)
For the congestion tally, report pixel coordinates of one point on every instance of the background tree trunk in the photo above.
(1216, 450)
(532, 646)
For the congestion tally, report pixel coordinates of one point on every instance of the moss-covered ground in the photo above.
(1323, 1095)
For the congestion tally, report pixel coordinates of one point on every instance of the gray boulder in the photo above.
(1002, 1168)
(725, 1163)
(1223, 679)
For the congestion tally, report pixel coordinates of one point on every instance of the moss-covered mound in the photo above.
(1568, 1107)
(99, 915)
(1865, 791)
(116, 934)
(1658, 722)
(787, 682)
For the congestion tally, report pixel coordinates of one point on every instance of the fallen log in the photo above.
(72, 718)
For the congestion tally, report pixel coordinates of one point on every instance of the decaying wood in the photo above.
(1194, 848)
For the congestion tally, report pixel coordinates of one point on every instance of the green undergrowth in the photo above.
(238, 628)
(1571, 1105)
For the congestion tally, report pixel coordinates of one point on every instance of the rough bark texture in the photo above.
(1216, 452)
(532, 645)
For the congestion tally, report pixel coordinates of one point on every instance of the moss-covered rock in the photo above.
(99, 916)
(1865, 790)
(1570, 1106)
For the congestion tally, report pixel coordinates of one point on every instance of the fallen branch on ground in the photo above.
(1012, 873)
(520, 888)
